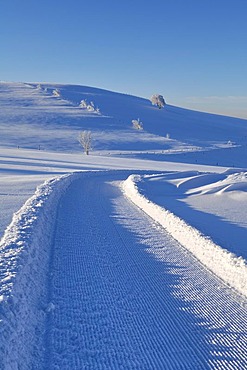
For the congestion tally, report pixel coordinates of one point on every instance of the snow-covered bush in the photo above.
(89, 106)
(158, 100)
(231, 143)
(83, 104)
(137, 124)
(56, 93)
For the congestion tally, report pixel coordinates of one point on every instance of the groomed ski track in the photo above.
(124, 295)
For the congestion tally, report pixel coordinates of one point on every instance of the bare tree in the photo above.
(85, 139)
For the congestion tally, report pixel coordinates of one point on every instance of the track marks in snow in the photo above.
(125, 295)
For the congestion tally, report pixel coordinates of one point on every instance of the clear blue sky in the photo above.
(194, 52)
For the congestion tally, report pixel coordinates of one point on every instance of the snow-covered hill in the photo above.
(51, 116)
(87, 280)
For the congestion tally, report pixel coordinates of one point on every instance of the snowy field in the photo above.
(133, 257)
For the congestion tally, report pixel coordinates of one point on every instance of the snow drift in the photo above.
(24, 263)
(228, 267)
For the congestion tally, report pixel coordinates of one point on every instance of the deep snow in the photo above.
(231, 268)
(106, 287)
(32, 116)
(24, 265)
(186, 172)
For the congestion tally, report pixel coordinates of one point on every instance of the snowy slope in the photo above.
(89, 281)
(50, 116)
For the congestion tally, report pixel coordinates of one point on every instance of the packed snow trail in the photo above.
(124, 295)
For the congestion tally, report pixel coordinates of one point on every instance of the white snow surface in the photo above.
(24, 264)
(230, 268)
(88, 280)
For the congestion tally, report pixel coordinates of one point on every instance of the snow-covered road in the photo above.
(124, 295)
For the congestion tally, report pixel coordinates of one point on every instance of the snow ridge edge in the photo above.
(228, 267)
(24, 264)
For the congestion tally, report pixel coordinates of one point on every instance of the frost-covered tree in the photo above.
(83, 104)
(137, 124)
(158, 100)
(85, 139)
(89, 106)
(56, 93)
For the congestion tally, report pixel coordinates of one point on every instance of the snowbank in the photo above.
(24, 263)
(231, 269)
